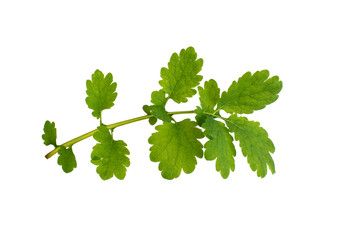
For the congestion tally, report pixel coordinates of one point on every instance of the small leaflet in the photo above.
(100, 92)
(49, 135)
(67, 159)
(209, 95)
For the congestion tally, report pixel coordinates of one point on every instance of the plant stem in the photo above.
(111, 126)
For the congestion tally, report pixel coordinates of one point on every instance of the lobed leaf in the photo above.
(67, 159)
(254, 143)
(158, 98)
(49, 135)
(147, 110)
(158, 109)
(181, 76)
(109, 155)
(175, 147)
(101, 92)
(250, 93)
(220, 146)
(209, 95)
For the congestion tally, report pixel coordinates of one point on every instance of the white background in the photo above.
(49, 49)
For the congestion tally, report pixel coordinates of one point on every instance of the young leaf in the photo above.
(158, 98)
(109, 155)
(254, 143)
(200, 116)
(158, 109)
(147, 110)
(152, 120)
(175, 147)
(101, 93)
(49, 135)
(160, 113)
(179, 79)
(250, 93)
(220, 146)
(67, 159)
(209, 95)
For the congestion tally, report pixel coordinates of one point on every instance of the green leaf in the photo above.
(67, 159)
(49, 135)
(250, 93)
(101, 92)
(160, 113)
(147, 110)
(158, 109)
(209, 95)
(109, 155)
(175, 147)
(152, 120)
(179, 79)
(254, 143)
(158, 98)
(200, 116)
(220, 146)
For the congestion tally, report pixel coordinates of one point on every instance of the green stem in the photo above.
(111, 126)
(226, 120)
(215, 115)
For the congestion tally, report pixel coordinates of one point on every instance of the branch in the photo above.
(111, 126)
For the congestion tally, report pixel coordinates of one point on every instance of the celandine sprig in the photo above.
(176, 145)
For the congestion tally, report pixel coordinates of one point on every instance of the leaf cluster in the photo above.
(176, 145)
